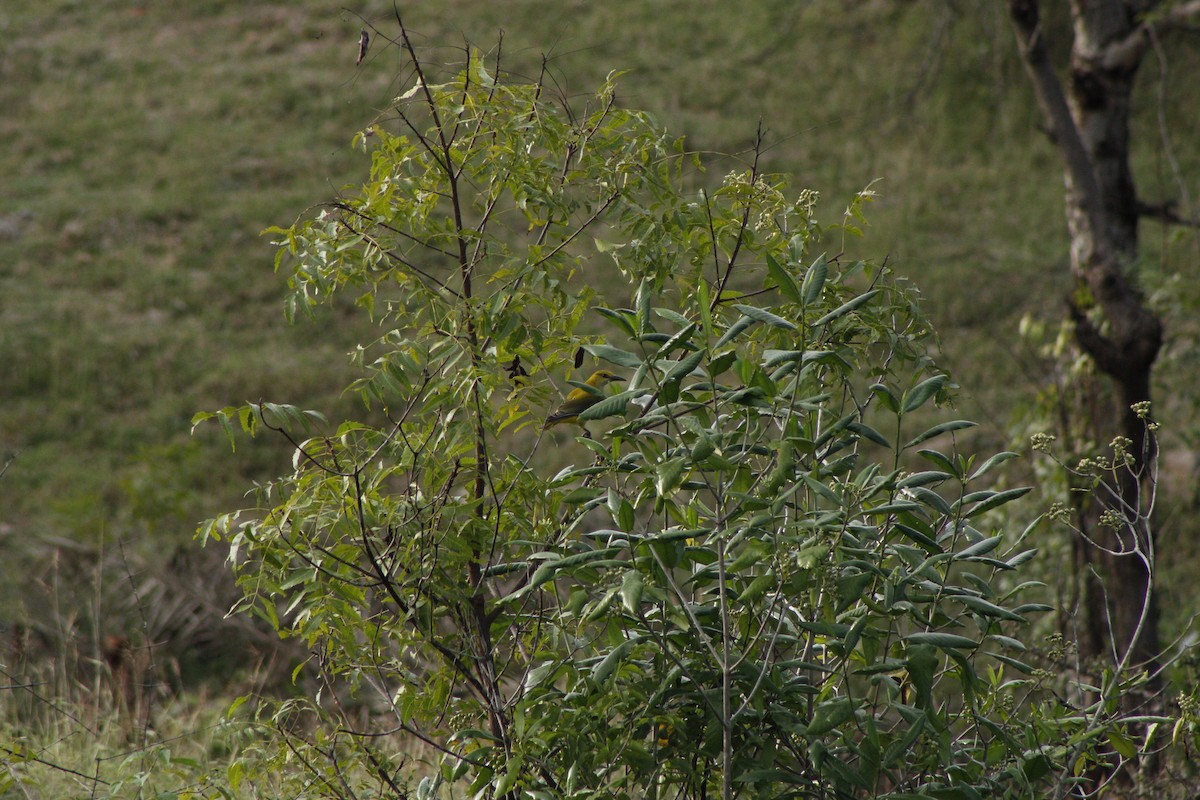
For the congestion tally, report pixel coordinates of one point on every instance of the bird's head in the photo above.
(602, 377)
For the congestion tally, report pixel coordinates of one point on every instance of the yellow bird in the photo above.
(579, 400)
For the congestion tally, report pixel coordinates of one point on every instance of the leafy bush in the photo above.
(767, 573)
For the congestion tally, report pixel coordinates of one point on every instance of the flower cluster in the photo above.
(1041, 442)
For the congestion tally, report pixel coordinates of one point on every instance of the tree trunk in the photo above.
(1088, 121)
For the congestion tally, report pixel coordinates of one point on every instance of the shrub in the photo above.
(769, 572)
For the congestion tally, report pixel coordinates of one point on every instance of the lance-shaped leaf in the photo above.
(614, 355)
(621, 317)
(602, 671)
(939, 429)
(764, 316)
(847, 307)
(942, 640)
(608, 407)
(920, 394)
(994, 461)
(992, 500)
(642, 301)
(631, 591)
(783, 279)
(814, 280)
(988, 609)
(830, 714)
(549, 569)
(743, 324)
(679, 339)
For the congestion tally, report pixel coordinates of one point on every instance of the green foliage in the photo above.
(769, 576)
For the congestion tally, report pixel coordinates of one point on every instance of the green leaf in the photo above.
(898, 750)
(642, 303)
(988, 609)
(783, 279)
(994, 461)
(925, 540)
(669, 476)
(868, 432)
(847, 307)
(1015, 663)
(921, 664)
(931, 498)
(1036, 767)
(222, 417)
(549, 569)
(678, 534)
(626, 517)
(631, 591)
(762, 315)
(702, 449)
(608, 407)
(1033, 608)
(602, 671)
(234, 775)
(239, 701)
(773, 358)
(835, 429)
(750, 556)
(920, 394)
(942, 640)
(685, 366)
(757, 588)
(891, 508)
(680, 339)
(998, 499)
(281, 415)
(669, 393)
(922, 479)
(674, 316)
(735, 330)
(830, 714)
(600, 607)
(809, 557)
(1022, 557)
(843, 774)
(621, 318)
(939, 459)
(613, 355)
(814, 280)
(938, 430)
(982, 547)
(887, 397)
(538, 675)
(1009, 642)
(721, 363)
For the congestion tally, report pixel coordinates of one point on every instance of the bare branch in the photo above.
(1127, 53)
(1166, 214)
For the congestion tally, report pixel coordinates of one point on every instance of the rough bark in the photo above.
(1087, 114)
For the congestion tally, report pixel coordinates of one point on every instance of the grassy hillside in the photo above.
(147, 149)
(147, 145)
